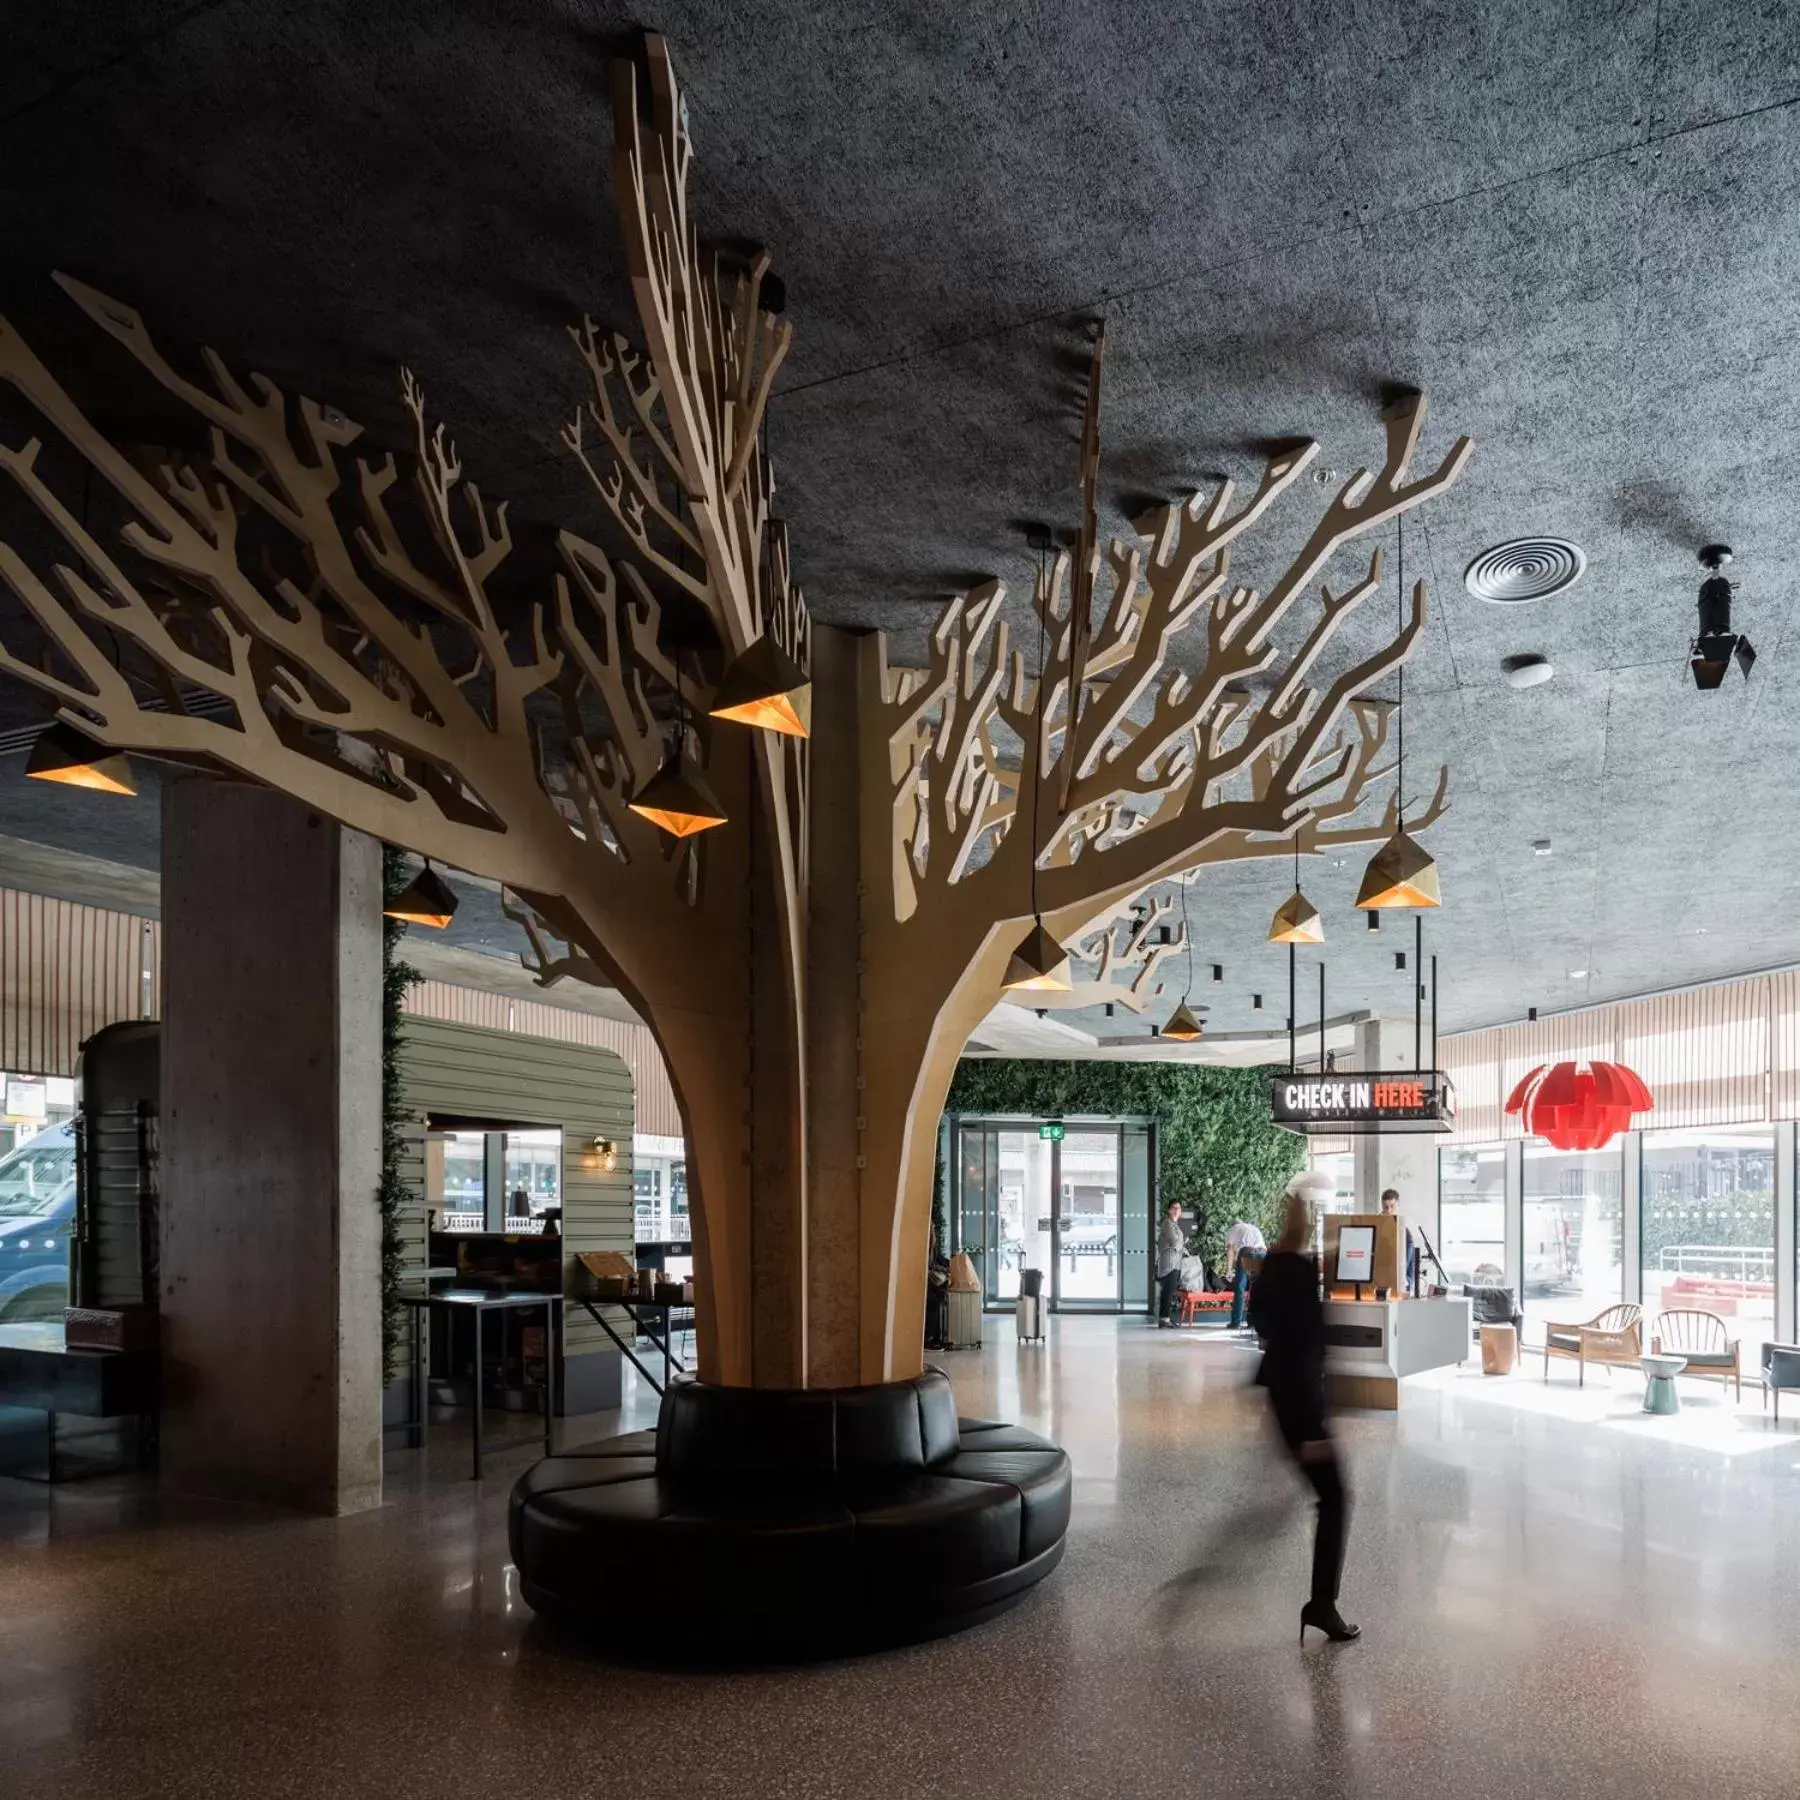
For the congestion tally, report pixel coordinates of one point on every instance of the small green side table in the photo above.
(1659, 1382)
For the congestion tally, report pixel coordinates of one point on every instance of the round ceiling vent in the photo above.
(1525, 569)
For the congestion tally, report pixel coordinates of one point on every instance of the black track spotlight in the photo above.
(1374, 919)
(1717, 646)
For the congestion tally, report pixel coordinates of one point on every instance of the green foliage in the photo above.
(1219, 1153)
(391, 1193)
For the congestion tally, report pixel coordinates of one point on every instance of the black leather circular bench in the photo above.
(780, 1521)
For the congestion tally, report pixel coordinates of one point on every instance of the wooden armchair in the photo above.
(1703, 1339)
(1613, 1337)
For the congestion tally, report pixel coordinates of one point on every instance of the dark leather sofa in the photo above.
(776, 1521)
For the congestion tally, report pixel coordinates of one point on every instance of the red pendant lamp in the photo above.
(1579, 1105)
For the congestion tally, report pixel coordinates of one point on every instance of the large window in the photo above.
(1572, 1252)
(1472, 1193)
(1709, 1227)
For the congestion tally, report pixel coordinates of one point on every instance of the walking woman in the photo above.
(1286, 1314)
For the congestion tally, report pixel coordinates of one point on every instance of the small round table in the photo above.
(1659, 1382)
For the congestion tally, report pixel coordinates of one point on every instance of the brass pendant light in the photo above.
(763, 686)
(676, 799)
(68, 755)
(1185, 1025)
(426, 900)
(1040, 964)
(1296, 919)
(1402, 872)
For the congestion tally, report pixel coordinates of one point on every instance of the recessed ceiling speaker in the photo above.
(1525, 569)
(1527, 671)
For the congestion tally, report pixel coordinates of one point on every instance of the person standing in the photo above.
(1288, 1317)
(1390, 1204)
(1171, 1247)
(1242, 1241)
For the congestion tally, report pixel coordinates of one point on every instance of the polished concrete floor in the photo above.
(1560, 1600)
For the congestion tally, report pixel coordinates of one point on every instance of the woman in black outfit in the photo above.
(1286, 1314)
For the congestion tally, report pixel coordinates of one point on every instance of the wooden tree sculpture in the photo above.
(812, 968)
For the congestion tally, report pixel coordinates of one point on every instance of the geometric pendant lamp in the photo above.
(1184, 1026)
(1039, 965)
(763, 686)
(1400, 874)
(426, 900)
(63, 753)
(677, 800)
(1297, 921)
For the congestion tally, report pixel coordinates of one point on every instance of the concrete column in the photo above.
(271, 1108)
(1396, 1159)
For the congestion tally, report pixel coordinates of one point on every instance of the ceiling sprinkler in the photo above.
(1717, 646)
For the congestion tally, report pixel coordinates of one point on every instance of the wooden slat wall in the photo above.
(657, 1113)
(448, 1067)
(66, 970)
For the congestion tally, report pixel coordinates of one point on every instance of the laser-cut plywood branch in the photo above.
(545, 966)
(1164, 766)
(1119, 964)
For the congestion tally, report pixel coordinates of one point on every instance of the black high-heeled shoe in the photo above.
(1328, 1620)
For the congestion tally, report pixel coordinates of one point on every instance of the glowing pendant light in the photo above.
(1296, 921)
(1040, 965)
(1183, 1026)
(677, 800)
(1401, 873)
(426, 900)
(67, 755)
(763, 686)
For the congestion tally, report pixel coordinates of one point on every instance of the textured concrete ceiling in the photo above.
(1577, 227)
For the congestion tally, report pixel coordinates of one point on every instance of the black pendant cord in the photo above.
(1400, 704)
(1418, 974)
(1037, 730)
(1293, 1010)
(1321, 1016)
(1187, 933)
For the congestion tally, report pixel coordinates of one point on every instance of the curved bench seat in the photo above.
(780, 1522)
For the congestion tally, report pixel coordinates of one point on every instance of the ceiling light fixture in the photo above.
(1401, 874)
(1717, 647)
(1296, 919)
(763, 686)
(676, 799)
(425, 900)
(1039, 964)
(1184, 1026)
(1527, 670)
(1374, 919)
(1578, 974)
(1540, 846)
(67, 755)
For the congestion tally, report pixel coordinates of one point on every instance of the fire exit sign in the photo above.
(1051, 1131)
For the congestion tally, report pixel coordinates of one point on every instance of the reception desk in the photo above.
(1371, 1346)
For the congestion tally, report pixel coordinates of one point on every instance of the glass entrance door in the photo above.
(1077, 1208)
(1088, 1238)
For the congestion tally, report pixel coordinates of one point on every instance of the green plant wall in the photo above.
(391, 1194)
(1219, 1152)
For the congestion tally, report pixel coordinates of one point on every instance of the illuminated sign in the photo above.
(1052, 1132)
(1409, 1100)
